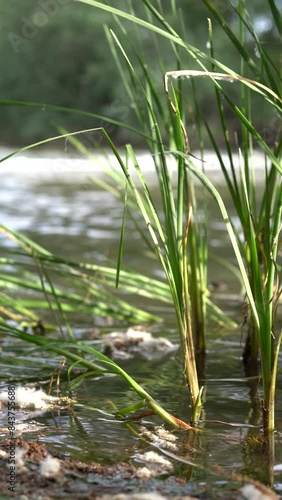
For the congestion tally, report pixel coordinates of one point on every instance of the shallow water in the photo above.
(57, 205)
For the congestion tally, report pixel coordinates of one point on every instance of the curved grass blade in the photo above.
(65, 349)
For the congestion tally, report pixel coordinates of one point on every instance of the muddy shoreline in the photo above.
(71, 479)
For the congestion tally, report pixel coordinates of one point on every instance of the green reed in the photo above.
(171, 238)
(257, 253)
(89, 295)
(176, 239)
(260, 219)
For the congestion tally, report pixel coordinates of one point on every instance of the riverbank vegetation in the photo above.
(176, 127)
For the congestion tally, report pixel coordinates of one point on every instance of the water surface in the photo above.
(53, 201)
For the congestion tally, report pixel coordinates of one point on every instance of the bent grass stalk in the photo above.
(65, 349)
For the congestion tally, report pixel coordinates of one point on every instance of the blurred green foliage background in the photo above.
(56, 52)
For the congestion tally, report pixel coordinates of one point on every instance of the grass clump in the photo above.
(257, 251)
(175, 234)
